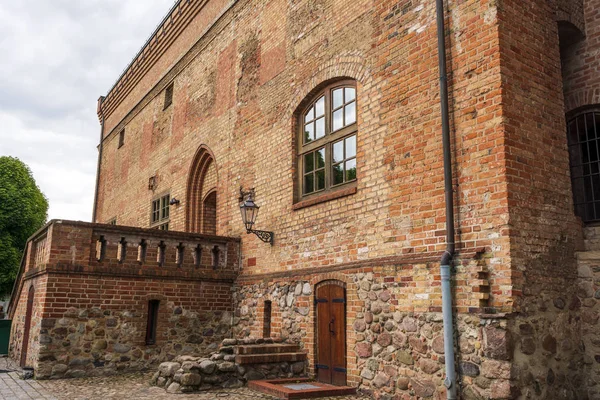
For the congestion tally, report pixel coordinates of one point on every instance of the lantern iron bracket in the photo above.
(265, 236)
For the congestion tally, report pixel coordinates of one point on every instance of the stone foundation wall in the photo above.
(395, 346)
(104, 332)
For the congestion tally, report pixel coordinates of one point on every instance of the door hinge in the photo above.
(320, 301)
(321, 366)
(338, 300)
(338, 369)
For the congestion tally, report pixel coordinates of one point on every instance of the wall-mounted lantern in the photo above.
(174, 202)
(249, 211)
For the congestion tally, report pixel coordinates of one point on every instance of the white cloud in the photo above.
(58, 57)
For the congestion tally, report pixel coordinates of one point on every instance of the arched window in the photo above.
(327, 132)
(583, 131)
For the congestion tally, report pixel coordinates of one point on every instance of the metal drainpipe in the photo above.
(98, 167)
(446, 261)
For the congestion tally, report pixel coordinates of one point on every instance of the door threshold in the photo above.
(299, 388)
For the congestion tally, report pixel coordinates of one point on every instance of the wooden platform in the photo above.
(299, 388)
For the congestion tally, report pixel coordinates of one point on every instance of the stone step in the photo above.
(588, 256)
(267, 348)
(242, 359)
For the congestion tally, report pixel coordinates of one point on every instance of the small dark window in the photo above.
(159, 217)
(152, 321)
(122, 138)
(267, 320)
(113, 221)
(168, 96)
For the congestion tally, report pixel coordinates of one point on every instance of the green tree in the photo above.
(23, 210)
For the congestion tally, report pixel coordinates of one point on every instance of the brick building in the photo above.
(330, 110)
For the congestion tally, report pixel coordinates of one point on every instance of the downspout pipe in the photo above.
(446, 261)
(100, 100)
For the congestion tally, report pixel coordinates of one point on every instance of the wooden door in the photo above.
(28, 315)
(331, 334)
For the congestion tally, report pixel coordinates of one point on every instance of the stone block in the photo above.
(191, 379)
(168, 368)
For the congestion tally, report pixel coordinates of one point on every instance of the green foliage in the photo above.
(23, 210)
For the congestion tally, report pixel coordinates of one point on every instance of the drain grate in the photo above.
(300, 386)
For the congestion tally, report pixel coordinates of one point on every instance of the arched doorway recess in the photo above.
(201, 199)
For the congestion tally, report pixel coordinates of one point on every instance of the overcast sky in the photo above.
(56, 58)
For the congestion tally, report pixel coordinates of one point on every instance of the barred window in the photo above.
(583, 132)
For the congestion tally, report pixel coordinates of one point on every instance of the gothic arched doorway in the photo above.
(201, 204)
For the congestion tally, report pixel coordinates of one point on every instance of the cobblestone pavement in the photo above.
(129, 386)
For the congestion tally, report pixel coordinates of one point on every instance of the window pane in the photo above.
(320, 107)
(581, 128)
(350, 94)
(309, 132)
(309, 183)
(589, 122)
(310, 115)
(338, 151)
(338, 98)
(350, 113)
(320, 179)
(320, 154)
(338, 119)
(351, 146)
(351, 170)
(320, 132)
(309, 162)
(338, 174)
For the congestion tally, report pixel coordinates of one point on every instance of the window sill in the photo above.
(324, 198)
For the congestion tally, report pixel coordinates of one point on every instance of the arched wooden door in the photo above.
(331, 333)
(27, 327)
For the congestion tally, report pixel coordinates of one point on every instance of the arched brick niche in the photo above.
(201, 199)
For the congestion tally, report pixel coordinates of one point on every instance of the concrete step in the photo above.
(242, 359)
(267, 348)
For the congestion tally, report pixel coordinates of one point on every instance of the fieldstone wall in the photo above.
(100, 341)
(220, 371)
(290, 309)
(397, 349)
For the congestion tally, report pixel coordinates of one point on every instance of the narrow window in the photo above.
(267, 320)
(122, 138)
(159, 214)
(152, 321)
(168, 96)
(112, 221)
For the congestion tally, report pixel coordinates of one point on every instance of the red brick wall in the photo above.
(90, 315)
(580, 75)
(244, 113)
